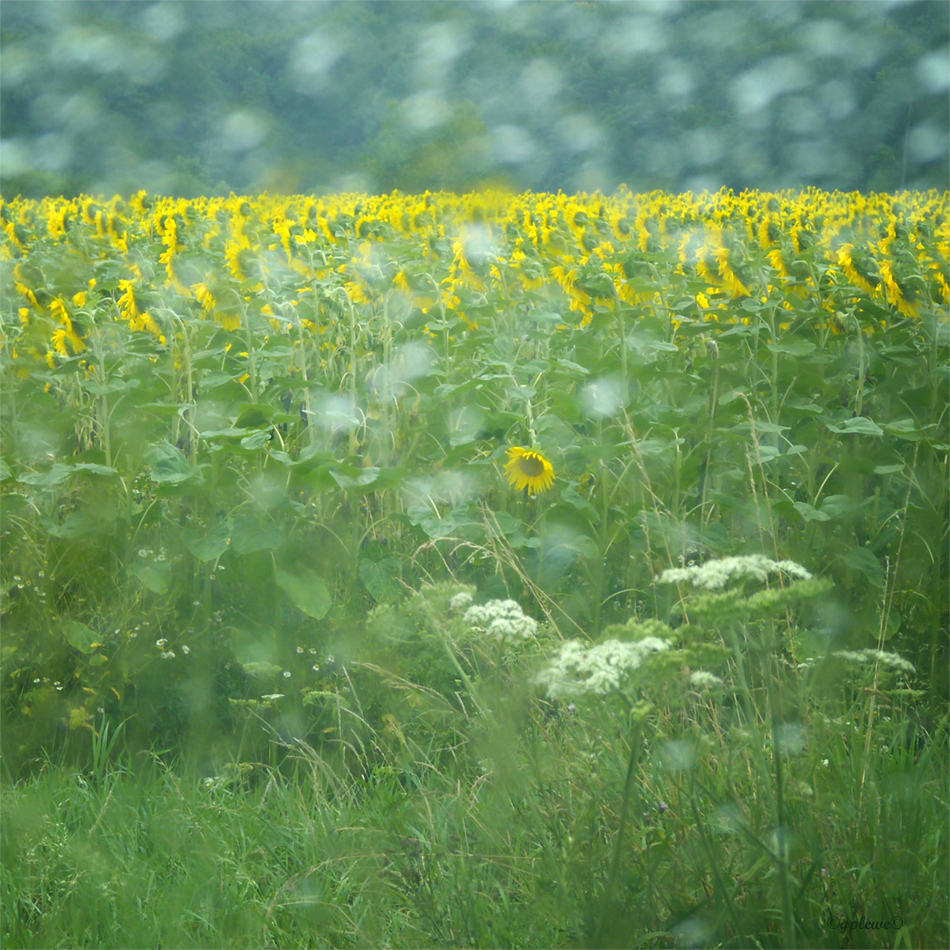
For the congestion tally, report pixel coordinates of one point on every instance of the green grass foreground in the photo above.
(475, 571)
(426, 851)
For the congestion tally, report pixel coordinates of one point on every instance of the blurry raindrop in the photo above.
(703, 147)
(751, 158)
(334, 412)
(79, 112)
(728, 819)
(695, 932)
(163, 21)
(242, 131)
(19, 65)
(15, 156)
(664, 158)
(438, 47)
(412, 361)
(579, 132)
(425, 111)
(824, 38)
(464, 424)
(927, 142)
(512, 145)
(451, 487)
(153, 175)
(678, 755)
(351, 183)
(675, 80)
(809, 160)
(478, 243)
(780, 841)
(45, 109)
(790, 738)
(757, 87)
(52, 152)
(707, 181)
(312, 59)
(721, 29)
(85, 46)
(837, 98)
(933, 70)
(800, 115)
(540, 82)
(604, 397)
(636, 36)
(594, 175)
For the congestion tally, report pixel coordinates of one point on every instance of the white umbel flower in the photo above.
(502, 619)
(460, 601)
(715, 575)
(876, 656)
(582, 668)
(704, 678)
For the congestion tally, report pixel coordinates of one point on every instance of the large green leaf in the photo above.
(167, 463)
(80, 636)
(864, 561)
(248, 535)
(156, 575)
(307, 590)
(380, 579)
(210, 544)
(859, 425)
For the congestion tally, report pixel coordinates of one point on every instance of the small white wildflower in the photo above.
(300, 649)
(876, 656)
(143, 552)
(502, 619)
(315, 668)
(170, 655)
(703, 678)
(582, 668)
(460, 601)
(161, 644)
(286, 674)
(186, 650)
(273, 696)
(715, 575)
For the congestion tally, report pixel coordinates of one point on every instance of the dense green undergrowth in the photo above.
(286, 661)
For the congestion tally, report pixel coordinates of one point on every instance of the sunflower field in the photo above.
(243, 437)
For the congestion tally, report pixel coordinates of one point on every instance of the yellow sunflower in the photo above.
(529, 469)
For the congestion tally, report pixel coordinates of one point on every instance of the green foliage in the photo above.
(278, 551)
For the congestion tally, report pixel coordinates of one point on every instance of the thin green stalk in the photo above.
(632, 762)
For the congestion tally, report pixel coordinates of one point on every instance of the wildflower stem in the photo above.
(621, 828)
(788, 917)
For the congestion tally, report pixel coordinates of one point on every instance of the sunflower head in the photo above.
(529, 469)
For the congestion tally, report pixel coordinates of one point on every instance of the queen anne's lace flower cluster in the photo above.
(460, 601)
(714, 575)
(582, 668)
(703, 678)
(502, 619)
(876, 656)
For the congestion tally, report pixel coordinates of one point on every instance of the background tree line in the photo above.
(202, 98)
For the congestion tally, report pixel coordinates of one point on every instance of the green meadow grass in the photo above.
(255, 450)
(435, 848)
